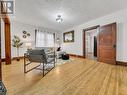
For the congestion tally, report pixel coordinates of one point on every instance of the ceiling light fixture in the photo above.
(59, 19)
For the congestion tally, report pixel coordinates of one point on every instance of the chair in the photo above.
(46, 60)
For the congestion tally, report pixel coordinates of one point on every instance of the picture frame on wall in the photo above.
(24, 32)
(68, 37)
(24, 36)
(28, 34)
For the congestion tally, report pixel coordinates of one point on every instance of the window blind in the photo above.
(44, 39)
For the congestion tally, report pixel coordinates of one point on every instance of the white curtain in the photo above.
(44, 39)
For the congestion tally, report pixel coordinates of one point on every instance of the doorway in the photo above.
(104, 43)
(90, 43)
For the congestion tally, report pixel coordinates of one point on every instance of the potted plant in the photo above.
(16, 42)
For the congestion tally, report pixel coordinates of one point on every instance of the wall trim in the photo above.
(121, 63)
(91, 28)
(14, 58)
(74, 55)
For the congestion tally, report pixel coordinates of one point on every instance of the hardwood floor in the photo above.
(79, 77)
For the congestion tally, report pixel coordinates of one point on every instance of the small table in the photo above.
(65, 56)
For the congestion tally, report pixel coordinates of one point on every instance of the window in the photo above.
(44, 39)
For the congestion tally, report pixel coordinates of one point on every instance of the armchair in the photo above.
(47, 62)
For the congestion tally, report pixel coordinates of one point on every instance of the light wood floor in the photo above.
(79, 77)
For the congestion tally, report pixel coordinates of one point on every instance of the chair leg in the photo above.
(24, 64)
(54, 63)
(43, 70)
(54, 59)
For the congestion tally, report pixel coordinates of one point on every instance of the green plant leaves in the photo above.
(16, 42)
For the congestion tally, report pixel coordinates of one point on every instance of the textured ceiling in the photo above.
(74, 12)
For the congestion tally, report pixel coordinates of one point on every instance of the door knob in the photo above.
(114, 46)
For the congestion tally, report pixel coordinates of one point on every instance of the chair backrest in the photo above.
(47, 49)
(37, 56)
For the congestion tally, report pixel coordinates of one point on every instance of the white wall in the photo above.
(16, 29)
(120, 17)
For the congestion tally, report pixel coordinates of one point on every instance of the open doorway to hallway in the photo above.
(90, 42)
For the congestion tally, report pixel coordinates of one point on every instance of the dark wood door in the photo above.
(107, 44)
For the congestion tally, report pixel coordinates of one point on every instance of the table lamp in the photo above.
(28, 45)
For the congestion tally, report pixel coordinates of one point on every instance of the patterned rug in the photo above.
(60, 61)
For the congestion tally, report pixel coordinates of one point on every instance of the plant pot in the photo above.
(18, 59)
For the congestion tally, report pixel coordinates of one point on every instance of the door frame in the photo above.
(7, 31)
(84, 38)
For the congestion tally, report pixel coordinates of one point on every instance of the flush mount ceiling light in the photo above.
(59, 19)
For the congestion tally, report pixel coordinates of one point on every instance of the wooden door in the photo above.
(107, 44)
